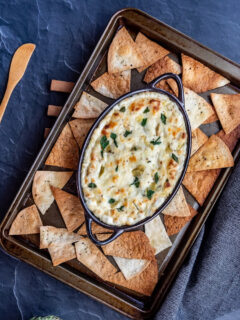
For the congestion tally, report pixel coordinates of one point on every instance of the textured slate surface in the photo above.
(65, 32)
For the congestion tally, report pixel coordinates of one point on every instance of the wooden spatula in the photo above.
(18, 66)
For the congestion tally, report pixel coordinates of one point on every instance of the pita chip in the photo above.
(89, 255)
(123, 53)
(157, 235)
(80, 129)
(178, 206)
(27, 221)
(65, 152)
(88, 107)
(150, 50)
(212, 118)
(175, 224)
(113, 85)
(41, 191)
(70, 208)
(198, 139)
(160, 67)
(231, 138)
(61, 253)
(49, 235)
(227, 107)
(214, 154)
(131, 267)
(199, 78)
(96, 228)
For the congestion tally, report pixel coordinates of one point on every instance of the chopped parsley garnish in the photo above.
(111, 201)
(175, 158)
(116, 169)
(120, 208)
(104, 143)
(155, 142)
(126, 133)
(156, 177)
(150, 193)
(136, 182)
(163, 118)
(92, 185)
(144, 122)
(146, 110)
(114, 137)
(123, 109)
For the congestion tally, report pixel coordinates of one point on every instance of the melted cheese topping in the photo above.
(134, 159)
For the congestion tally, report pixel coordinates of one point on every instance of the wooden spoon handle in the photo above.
(5, 100)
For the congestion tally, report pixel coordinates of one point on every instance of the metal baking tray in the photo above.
(74, 273)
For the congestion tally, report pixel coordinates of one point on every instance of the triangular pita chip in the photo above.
(214, 154)
(89, 255)
(175, 224)
(199, 78)
(178, 206)
(70, 208)
(173, 85)
(96, 228)
(27, 221)
(65, 152)
(150, 50)
(113, 85)
(160, 67)
(212, 118)
(88, 107)
(157, 235)
(131, 267)
(231, 138)
(80, 129)
(123, 53)
(41, 191)
(227, 107)
(61, 253)
(198, 139)
(49, 235)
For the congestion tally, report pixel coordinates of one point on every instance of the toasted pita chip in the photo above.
(160, 67)
(150, 50)
(173, 85)
(198, 77)
(164, 86)
(80, 129)
(123, 53)
(144, 283)
(131, 267)
(88, 107)
(175, 224)
(61, 253)
(157, 235)
(178, 206)
(65, 152)
(130, 245)
(49, 235)
(41, 191)
(231, 138)
(27, 221)
(113, 85)
(228, 110)
(198, 139)
(214, 154)
(212, 118)
(89, 255)
(70, 208)
(96, 228)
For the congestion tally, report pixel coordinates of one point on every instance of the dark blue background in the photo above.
(65, 33)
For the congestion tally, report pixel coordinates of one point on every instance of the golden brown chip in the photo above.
(173, 85)
(113, 85)
(178, 205)
(70, 208)
(27, 221)
(89, 255)
(228, 110)
(96, 228)
(198, 139)
(164, 86)
(214, 154)
(199, 78)
(123, 53)
(49, 235)
(61, 253)
(150, 50)
(175, 224)
(212, 118)
(231, 138)
(65, 152)
(80, 129)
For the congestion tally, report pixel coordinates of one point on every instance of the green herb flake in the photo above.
(104, 143)
(155, 142)
(150, 193)
(116, 169)
(136, 182)
(114, 137)
(163, 118)
(175, 158)
(126, 133)
(111, 201)
(146, 110)
(144, 122)
(92, 185)
(156, 177)
(120, 208)
(123, 109)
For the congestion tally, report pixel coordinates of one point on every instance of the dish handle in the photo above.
(174, 77)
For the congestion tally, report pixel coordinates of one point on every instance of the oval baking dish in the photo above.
(119, 229)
